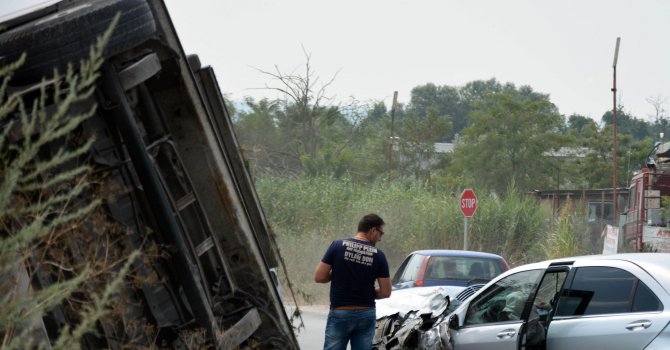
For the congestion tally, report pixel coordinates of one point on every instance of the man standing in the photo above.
(352, 265)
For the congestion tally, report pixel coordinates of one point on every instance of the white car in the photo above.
(613, 302)
(422, 300)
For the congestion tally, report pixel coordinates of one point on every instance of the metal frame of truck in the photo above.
(165, 134)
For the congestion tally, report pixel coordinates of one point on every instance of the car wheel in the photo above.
(66, 35)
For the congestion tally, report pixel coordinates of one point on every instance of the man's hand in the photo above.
(322, 273)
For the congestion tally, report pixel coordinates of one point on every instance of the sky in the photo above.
(373, 47)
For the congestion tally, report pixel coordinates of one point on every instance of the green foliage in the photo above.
(578, 123)
(569, 235)
(506, 142)
(595, 170)
(459, 102)
(511, 225)
(280, 137)
(418, 137)
(444, 101)
(261, 139)
(308, 213)
(504, 129)
(628, 124)
(665, 209)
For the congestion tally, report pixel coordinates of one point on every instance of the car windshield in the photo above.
(462, 268)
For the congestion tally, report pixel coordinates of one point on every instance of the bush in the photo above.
(48, 200)
(308, 213)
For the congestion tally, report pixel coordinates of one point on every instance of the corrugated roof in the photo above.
(568, 152)
(442, 147)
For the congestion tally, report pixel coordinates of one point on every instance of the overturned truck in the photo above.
(172, 181)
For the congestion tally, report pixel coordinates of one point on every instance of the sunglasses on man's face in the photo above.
(381, 233)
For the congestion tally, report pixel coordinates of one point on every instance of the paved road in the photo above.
(314, 318)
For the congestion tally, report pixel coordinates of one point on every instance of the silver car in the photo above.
(613, 302)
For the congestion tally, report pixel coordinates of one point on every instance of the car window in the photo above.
(645, 300)
(401, 268)
(464, 268)
(504, 300)
(545, 300)
(549, 289)
(606, 290)
(411, 268)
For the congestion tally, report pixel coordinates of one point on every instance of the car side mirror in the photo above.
(453, 322)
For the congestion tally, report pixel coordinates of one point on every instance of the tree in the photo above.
(306, 106)
(458, 102)
(660, 119)
(374, 141)
(319, 137)
(378, 113)
(627, 124)
(445, 100)
(597, 166)
(658, 103)
(578, 123)
(632, 158)
(506, 141)
(417, 142)
(262, 140)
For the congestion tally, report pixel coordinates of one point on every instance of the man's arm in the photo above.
(384, 290)
(322, 273)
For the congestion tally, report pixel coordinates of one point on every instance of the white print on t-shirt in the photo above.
(359, 253)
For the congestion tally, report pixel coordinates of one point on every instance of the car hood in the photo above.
(422, 299)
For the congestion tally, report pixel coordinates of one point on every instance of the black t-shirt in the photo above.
(356, 266)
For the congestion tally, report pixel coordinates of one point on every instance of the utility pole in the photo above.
(392, 138)
(614, 199)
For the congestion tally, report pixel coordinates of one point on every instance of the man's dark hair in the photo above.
(369, 221)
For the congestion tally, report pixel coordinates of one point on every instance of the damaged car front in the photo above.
(428, 286)
(418, 318)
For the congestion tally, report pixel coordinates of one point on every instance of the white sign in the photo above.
(611, 234)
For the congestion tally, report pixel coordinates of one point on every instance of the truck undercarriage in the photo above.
(173, 182)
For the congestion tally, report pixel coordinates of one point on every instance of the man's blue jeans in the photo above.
(357, 326)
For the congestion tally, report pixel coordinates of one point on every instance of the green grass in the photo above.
(306, 214)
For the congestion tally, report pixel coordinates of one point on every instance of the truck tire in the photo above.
(67, 35)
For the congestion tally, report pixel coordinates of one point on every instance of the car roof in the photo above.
(457, 253)
(642, 259)
(656, 264)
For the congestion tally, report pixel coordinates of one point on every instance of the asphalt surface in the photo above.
(314, 318)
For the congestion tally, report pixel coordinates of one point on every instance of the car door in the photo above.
(534, 333)
(611, 305)
(493, 318)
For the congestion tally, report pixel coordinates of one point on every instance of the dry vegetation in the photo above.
(308, 213)
(59, 251)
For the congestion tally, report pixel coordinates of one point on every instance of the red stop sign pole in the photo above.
(468, 208)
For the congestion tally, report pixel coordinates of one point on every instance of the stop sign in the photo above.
(468, 202)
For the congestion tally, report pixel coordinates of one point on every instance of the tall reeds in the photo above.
(308, 213)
